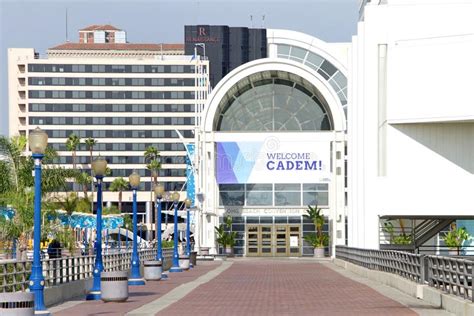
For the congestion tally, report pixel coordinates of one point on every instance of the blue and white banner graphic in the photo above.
(273, 161)
(190, 186)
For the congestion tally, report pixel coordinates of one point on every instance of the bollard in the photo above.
(152, 270)
(17, 304)
(114, 286)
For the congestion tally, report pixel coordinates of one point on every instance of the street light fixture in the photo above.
(38, 141)
(175, 267)
(188, 203)
(99, 166)
(135, 277)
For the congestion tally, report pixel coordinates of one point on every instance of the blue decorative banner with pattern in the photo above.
(190, 186)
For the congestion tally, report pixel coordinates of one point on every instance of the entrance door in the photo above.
(253, 243)
(266, 240)
(294, 240)
(260, 240)
(281, 241)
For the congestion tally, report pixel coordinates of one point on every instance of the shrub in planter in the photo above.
(455, 238)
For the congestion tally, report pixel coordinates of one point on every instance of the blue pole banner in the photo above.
(190, 185)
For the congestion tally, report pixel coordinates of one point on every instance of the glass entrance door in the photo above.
(266, 240)
(273, 240)
(294, 244)
(253, 241)
(281, 241)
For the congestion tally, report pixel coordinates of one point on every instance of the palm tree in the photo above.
(84, 179)
(90, 143)
(316, 216)
(151, 153)
(72, 143)
(119, 184)
(152, 156)
(154, 166)
(12, 149)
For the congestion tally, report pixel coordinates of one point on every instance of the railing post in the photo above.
(472, 281)
(423, 268)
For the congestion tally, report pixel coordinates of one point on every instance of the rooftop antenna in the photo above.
(251, 21)
(67, 38)
(263, 21)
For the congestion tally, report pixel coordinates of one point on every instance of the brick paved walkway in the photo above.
(283, 287)
(139, 295)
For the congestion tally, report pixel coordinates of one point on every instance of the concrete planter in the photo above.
(193, 258)
(220, 257)
(184, 262)
(17, 304)
(152, 270)
(204, 251)
(229, 251)
(319, 252)
(114, 286)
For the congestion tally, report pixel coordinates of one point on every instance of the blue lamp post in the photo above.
(99, 166)
(188, 203)
(159, 192)
(175, 267)
(38, 140)
(135, 277)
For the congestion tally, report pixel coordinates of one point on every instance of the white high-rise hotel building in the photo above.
(126, 96)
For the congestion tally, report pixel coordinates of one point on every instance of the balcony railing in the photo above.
(14, 275)
(448, 274)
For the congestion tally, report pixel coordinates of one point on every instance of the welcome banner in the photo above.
(273, 161)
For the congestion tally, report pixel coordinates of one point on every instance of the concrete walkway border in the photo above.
(178, 293)
(450, 303)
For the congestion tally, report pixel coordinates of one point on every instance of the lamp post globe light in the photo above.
(159, 193)
(135, 277)
(188, 203)
(38, 140)
(175, 267)
(99, 166)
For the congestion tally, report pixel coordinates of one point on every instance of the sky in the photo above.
(42, 24)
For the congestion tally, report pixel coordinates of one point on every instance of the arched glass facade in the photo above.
(322, 66)
(272, 101)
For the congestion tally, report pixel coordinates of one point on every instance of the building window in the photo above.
(58, 94)
(98, 68)
(138, 82)
(157, 82)
(98, 120)
(138, 68)
(258, 194)
(118, 81)
(231, 194)
(118, 107)
(98, 94)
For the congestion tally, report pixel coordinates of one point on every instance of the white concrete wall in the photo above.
(411, 126)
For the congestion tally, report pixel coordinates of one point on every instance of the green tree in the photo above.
(12, 150)
(152, 156)
(119, 185)
(17, 188)
(83, 179)
(72, 143)
(90, 143)
(5, 179)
